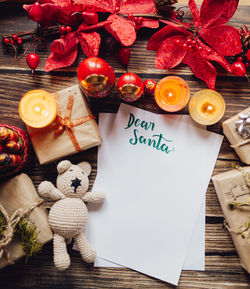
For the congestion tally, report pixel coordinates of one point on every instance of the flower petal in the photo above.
(201, 68)
(55, 60)
(156, 39)
(138, 6)
(213, 56)
(195, 13)
(217, 12)
(224, 39)
(121, 29)
(149, 23)
(90, 43)
(169, 54)
(64, 44)
(85, 27)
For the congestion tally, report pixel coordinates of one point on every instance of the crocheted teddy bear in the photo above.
(68, 216)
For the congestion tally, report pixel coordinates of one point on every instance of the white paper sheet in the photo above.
(153, 197)
(195, 259)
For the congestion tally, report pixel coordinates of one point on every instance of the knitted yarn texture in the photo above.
(69, 215)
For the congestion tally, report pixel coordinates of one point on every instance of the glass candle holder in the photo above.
(172, 93)
(207, 107)
(37, 108)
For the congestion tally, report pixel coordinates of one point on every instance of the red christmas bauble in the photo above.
(130, 87)
(96, 77)
(149, 86)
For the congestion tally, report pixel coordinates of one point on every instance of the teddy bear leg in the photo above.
(86, 250)
(61, 256)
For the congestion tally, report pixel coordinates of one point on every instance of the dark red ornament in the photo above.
(62, 30)
(90, 17)
(68, 29)
(96, 77)
(238, 68)
(19, 41)
(6, 40)
(130, 87)
(124, 56)
(14, 37)
(149, 86)
(36, 12)
(32, 60)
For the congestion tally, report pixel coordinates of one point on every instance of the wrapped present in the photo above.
(237, 130)
(233, 190)
(74, 129)
(18, 199)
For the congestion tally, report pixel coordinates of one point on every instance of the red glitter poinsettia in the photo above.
(64, 50)
(124, 29)
(211, 40)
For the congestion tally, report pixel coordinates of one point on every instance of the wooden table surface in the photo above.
(223, 268)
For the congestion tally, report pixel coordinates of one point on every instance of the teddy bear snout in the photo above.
(75, 183)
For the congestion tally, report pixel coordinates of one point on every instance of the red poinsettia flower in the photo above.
(64, 50)
(211, 40)
(124, 29)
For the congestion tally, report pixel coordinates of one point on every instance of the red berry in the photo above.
(36, 12)
(62, 30)
(32, 60)
(248, 54)
(139, 20)
(209, 50)
(247, 65)
(124, 55)
(238, 68)
(19, 41)
(190, 47)
(12, 42)
(68, 29)
(199, 48)
(117, 9)
(6, 40)
(130, 16)
(177, 42)
(14, 37)
(189, 41)
(184, 45)
(193, 43)
(90, 17)
(240, 59)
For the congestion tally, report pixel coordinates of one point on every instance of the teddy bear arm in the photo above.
(93, 197)
(49, 191)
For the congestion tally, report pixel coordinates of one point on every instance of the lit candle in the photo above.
(172, 93)
(37, 108)
(207, 107)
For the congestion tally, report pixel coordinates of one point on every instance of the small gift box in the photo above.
(237, 130)
(74, 129)
(233, 191)
(19, 199)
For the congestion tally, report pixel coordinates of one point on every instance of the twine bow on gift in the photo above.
(65, 123)
(243, 129)
(9, 230)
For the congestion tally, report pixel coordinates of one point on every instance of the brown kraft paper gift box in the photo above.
(232, 187)
(20, 193)
(50, 146)
(235, 138)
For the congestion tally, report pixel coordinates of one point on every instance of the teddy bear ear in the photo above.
(63, 166)
(86, 167)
